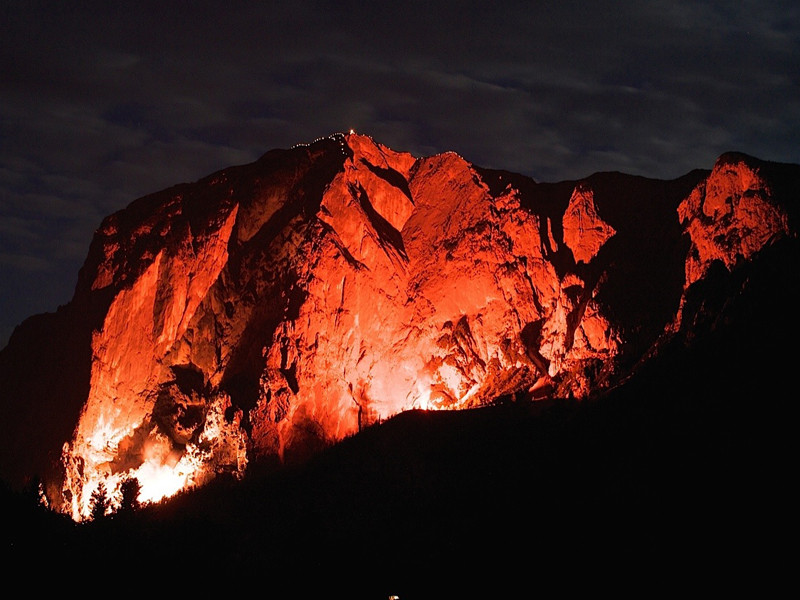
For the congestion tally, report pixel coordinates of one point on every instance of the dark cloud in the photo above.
(101, 103)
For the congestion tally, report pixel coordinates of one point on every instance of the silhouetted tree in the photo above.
(130, 488)
(32, 491)
(100, 502)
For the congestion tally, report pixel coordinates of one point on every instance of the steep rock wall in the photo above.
(730, 217)
(272, 309)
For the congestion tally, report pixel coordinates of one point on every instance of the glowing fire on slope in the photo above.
(430, 395)
(161, 468)
(424, 399)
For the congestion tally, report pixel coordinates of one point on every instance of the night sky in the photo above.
(100, 105)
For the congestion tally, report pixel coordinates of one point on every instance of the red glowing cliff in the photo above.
(273, 309)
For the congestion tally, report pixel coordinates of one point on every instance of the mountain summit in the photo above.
(273, 309)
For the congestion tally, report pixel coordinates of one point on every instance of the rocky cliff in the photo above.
(272, 309)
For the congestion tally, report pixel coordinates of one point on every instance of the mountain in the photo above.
(268, 313)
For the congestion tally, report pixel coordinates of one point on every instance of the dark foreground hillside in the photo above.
(679, 480)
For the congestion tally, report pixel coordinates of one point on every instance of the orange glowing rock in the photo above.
(730, 216)
(584, 231)
(273, 309)
(405, 284)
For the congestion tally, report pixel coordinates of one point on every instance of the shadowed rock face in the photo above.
(272, 309)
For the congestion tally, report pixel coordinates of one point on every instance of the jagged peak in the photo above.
(366, 149)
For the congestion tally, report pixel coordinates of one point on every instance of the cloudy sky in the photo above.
(100, 105)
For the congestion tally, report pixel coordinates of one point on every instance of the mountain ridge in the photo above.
(486, 283)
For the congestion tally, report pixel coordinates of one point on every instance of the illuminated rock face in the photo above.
(272, 309)
(730, 216)
(584, 231)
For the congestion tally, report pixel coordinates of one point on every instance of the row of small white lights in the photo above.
(340, 136)
(334, 136)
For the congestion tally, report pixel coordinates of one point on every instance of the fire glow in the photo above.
(164, 470)
(161, 475)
